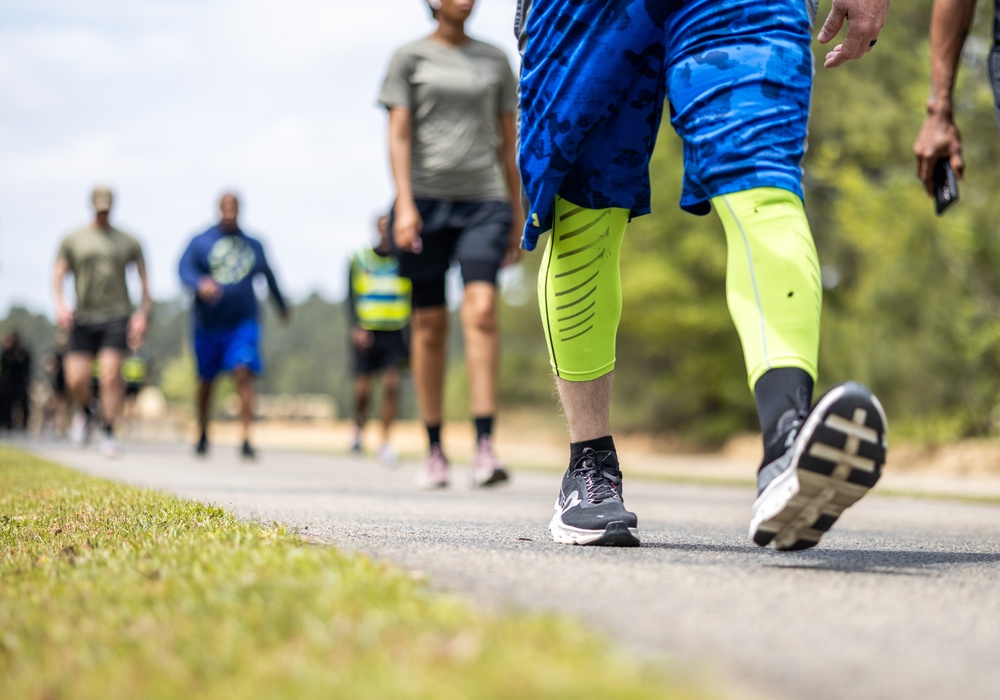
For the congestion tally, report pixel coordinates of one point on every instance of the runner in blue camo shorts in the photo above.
(737, 77)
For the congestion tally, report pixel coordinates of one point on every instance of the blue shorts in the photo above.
(224, 349)
(594, 77)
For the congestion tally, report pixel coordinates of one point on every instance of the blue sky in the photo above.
(171, 102)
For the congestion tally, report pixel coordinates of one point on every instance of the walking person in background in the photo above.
(451, 102)
(220, 266)
(15, 382)
(54, 418)
(378, 304)
(737, 76)
(103, 325)
(135, 368)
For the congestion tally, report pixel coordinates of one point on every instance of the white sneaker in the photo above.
(78, 428)
(109, 448)
(387, 456)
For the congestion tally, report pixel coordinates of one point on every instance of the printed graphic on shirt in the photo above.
(231, 259)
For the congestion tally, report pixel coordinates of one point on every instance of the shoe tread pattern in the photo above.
(841, 462)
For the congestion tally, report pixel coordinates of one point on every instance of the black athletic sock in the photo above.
(434, 435)
(601, 444)
(778, 392)
(484, 427)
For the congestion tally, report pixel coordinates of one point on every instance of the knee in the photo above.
(430, 326)
(480, 314)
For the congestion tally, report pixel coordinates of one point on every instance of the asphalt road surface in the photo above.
(900, 600)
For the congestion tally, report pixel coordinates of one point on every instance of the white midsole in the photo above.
(566, 534)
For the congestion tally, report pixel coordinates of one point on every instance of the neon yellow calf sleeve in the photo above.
(580, 290)
(772, 279)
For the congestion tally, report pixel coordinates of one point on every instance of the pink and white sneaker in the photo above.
(435, 474)
(486, 468)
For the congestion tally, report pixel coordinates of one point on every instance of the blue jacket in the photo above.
(233, 259)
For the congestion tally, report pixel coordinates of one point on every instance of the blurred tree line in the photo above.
(911, 301)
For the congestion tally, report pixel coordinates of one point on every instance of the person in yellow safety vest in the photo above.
(378, 303)
(135, 368)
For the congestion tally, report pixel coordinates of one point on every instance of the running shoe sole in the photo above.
(838, 458)
(615, 534)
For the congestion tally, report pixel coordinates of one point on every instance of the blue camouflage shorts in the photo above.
(594, 76)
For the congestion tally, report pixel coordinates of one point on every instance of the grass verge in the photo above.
(108, 591)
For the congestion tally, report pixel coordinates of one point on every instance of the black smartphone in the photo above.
(945, 186)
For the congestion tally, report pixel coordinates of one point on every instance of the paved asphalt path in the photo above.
(900, 600)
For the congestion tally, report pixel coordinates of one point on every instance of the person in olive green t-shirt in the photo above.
(104, 324)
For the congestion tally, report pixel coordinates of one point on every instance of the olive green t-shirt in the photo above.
(455, 95)
(98, 258)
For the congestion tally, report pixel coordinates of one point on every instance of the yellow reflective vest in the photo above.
(134, 369)
(381, 296)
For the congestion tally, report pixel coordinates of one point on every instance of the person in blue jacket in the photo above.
(220, 266)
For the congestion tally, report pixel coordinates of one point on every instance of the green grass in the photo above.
(108, 591)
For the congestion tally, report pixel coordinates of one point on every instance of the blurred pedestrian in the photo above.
(135, 369)
(220, 266)
(451, 101)
(378, 303)
(15, 381)
(103, 324)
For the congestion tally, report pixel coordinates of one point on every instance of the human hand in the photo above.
(208, 289)
(64, 318)
(406, 227)
(361, 338)
(938, 138)
(864, 22)
(513, 252)
(137, 326)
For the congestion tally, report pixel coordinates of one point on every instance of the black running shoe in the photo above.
(589, 509)
(247, 451)
(832, 456)
(201, 449)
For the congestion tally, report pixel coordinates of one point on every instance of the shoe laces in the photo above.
(601, 474)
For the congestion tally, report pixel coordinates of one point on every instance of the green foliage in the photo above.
(108, 591)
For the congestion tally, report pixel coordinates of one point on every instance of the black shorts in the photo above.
(389, 350)
(92, 337)
(473, 234)
(132, 390)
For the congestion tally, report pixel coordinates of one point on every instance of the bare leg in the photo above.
(112, 385)
(479, 324)
(587, 406)
(204, 403)
(390, 401)
(362, 394)
(430, 331)
(77, 367)
(244, 389)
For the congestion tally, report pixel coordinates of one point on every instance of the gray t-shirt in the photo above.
(455, 95)
(98, 258)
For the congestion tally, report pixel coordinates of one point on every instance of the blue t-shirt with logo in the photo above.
(233, 259)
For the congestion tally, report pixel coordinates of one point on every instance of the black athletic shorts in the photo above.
(473, 234)
(389, 350)
(92, 337)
